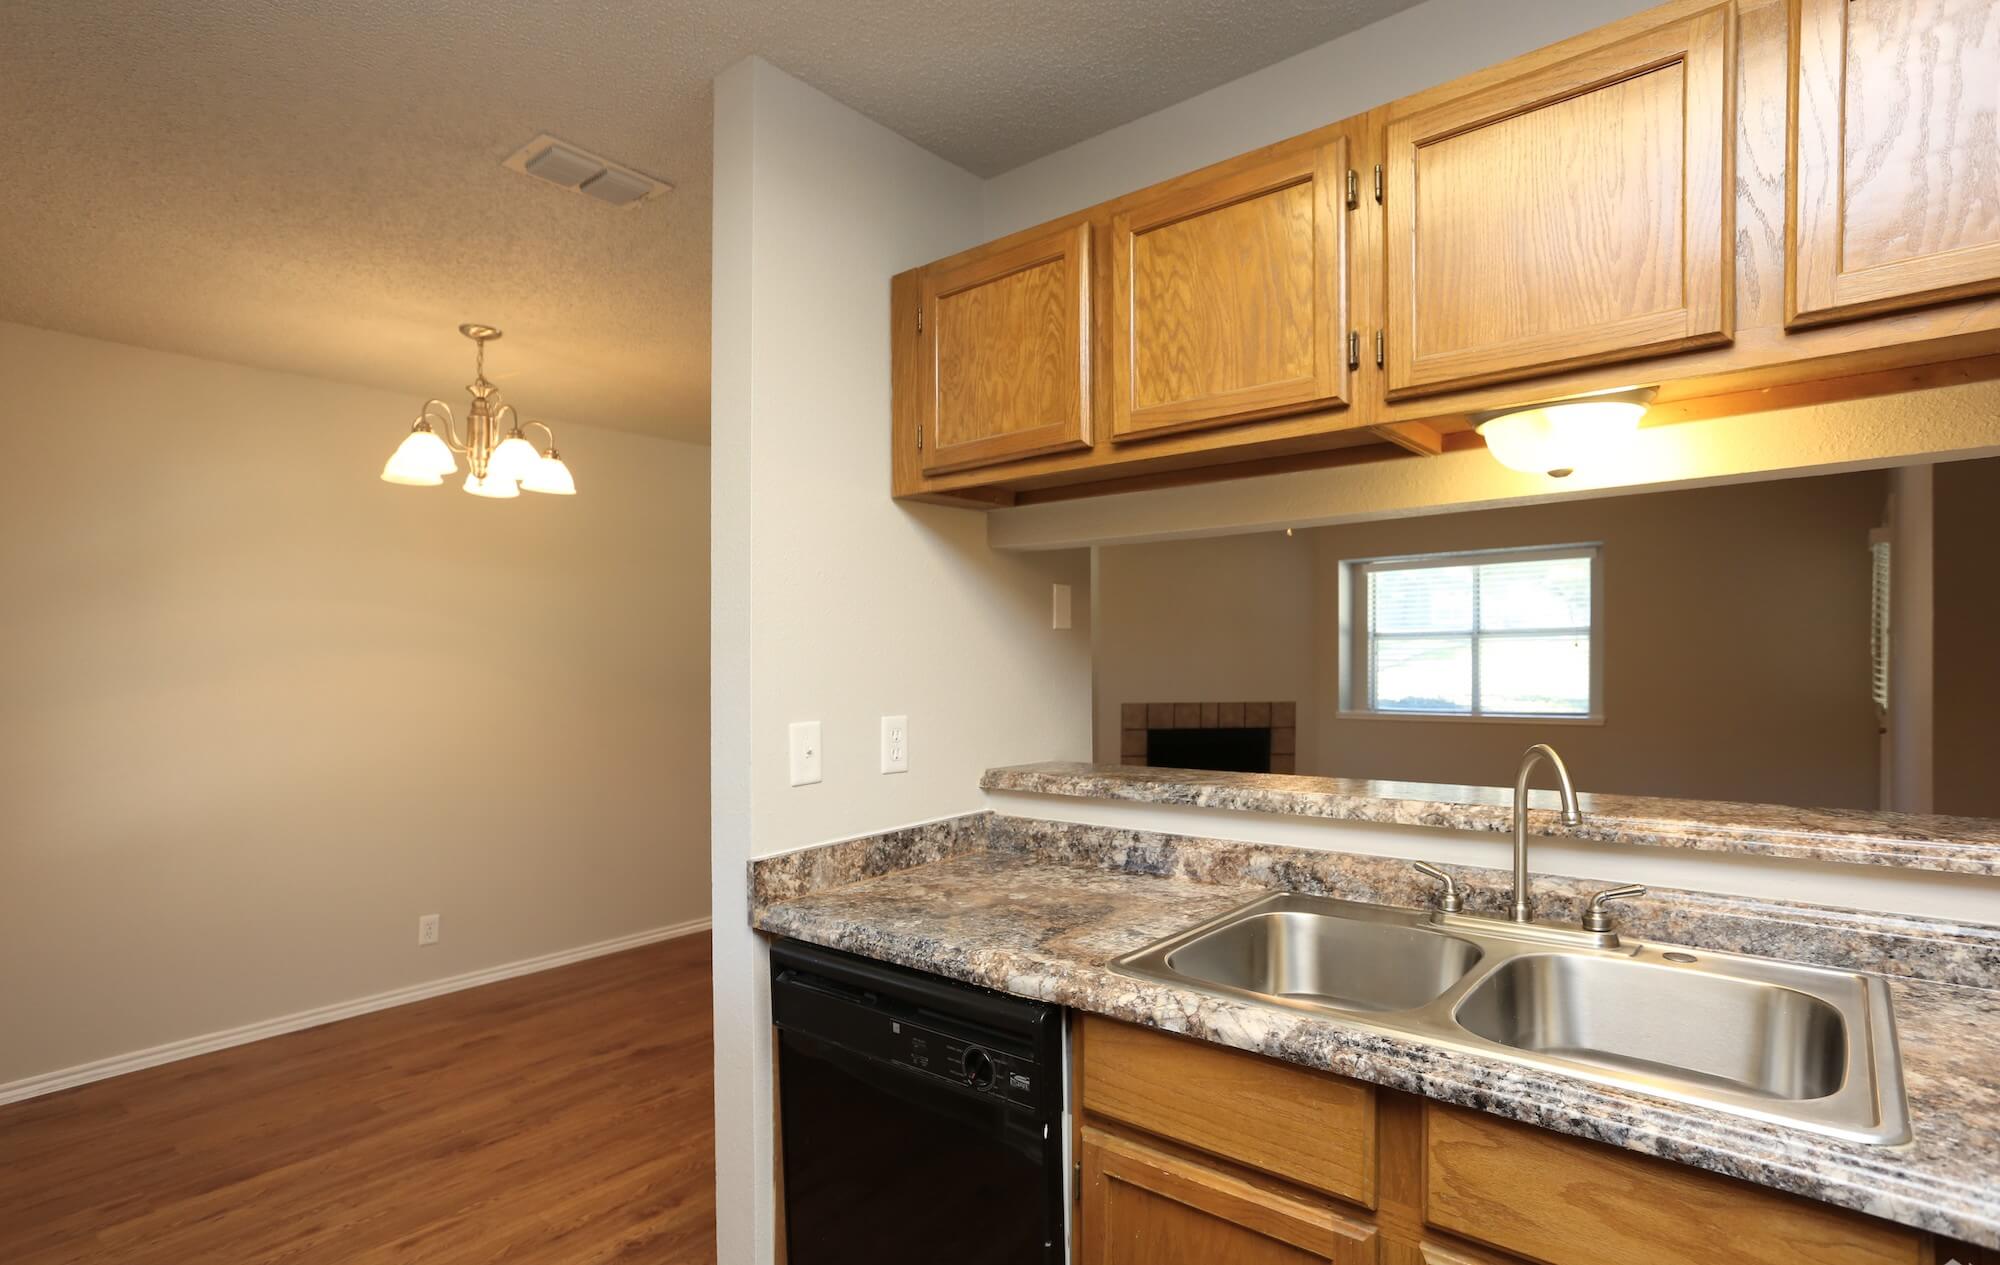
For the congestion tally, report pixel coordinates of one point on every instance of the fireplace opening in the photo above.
(1241, 750)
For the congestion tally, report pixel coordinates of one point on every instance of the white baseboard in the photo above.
(173, 1051)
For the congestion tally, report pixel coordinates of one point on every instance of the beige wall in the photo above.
(1227, 619)
(1735, 646)
(832, 601)
(1966, 638)
(1736, 649)
(262, 710)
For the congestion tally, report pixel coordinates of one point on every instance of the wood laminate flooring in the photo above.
(562, 1118)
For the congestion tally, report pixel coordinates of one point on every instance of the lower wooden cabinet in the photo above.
(1568, 1202)
(1145, 1206)
(1168, 1177)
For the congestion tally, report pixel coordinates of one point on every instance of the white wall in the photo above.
(1413, 50)
(262, 710)
(833, 602)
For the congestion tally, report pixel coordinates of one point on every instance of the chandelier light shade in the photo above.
(421, 460)
(550, 476)
(500, 466)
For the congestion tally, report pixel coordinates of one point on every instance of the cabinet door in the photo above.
(1143, 1206)
(1566, 1202)
(1006, 352)
(1580, 214)
(1895, 156)
(1229, 298)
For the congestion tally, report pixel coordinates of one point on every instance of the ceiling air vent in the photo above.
(580, 171)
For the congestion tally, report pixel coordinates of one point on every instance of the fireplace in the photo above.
(1233, 737)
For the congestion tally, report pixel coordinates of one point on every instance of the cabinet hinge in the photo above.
(1076, 1186)
(1353, 189)
(920, 436)
(920, 320)
(1353, 349)
(1378, 349)
(1378, 183)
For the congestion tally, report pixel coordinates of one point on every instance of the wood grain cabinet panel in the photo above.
(1145, 1206)
(1564, 1202)
(1229, 297)
(1006, 352)
(1307, 1127)
(1580, 214)
(1895, 156)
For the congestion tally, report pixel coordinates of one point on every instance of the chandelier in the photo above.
(500, 468)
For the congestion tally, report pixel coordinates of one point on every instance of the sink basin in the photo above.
(1354, 960)
(1663, 1022)
(1804, 1046)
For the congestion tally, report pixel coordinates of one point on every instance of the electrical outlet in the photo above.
(805, 752)
(895, 744)
(1059, 615)
(427, 929)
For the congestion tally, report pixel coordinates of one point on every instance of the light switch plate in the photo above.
(895, 744)
(1061, 614)
(805, 752)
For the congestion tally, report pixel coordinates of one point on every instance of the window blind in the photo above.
(1482, 635)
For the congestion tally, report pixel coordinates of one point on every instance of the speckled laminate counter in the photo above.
(1038, 910)
(1953, 845)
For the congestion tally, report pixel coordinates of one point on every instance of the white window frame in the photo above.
(1356, 659)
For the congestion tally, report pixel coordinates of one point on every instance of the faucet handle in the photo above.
(1448, 903)
(1596, 917)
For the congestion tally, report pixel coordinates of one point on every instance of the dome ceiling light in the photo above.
(1564, 436)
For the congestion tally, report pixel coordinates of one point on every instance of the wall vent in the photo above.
(560, 163)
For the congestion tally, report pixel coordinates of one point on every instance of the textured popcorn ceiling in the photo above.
(314, 185)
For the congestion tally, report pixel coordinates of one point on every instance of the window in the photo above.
(1506, 633)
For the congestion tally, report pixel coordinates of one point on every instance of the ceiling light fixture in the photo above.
(1559, 438)
(501, 466)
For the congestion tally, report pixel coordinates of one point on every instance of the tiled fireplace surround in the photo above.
(1136, 718)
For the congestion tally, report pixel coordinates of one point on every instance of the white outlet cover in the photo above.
(428, 930)
(1060, 615)
(805, 753)
(895, 744)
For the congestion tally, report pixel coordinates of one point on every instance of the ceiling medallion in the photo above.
(501, 468)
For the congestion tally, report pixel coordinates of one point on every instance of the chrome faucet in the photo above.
(1571, 816)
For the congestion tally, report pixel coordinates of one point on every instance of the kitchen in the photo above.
(1235, 414)
(1160, 633)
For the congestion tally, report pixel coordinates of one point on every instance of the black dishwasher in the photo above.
(920, 1120)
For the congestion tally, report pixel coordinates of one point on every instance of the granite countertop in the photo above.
(1045, 926)
(1953, 845)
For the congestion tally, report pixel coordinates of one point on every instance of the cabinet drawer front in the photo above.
(1308, 1127)
(1143, 1206)
(1570, 1202)
(1578, 215)
(1007, 352)
(1229, 298)
(1895, 197)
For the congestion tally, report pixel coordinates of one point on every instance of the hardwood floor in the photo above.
(560, 1118)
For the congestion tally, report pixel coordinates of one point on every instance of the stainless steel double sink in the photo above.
(1798, 1045)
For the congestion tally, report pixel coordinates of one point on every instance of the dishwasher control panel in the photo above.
(977, 1067)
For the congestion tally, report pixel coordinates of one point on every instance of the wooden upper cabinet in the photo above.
(1229, 297)
(1895, 156)
(1579, 214)
(1005, 361)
